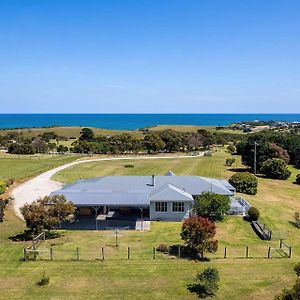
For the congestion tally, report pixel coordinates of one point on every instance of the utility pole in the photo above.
(254, 167)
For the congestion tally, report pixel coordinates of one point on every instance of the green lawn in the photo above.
(23, 167)
(204, 166)
(165, 277)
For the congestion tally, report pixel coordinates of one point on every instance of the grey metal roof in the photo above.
(85, 198)
(170, 192)
(138, 190)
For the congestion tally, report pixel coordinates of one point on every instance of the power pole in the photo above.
(254, 167)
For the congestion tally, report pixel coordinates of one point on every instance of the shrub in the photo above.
(9, 181)
(275, 168)
(3, 204)
(229, 161)
(297, 269)
(45, 280)
(206, 283)
(231, 149)
(253, 213)
(244, 183)
(2, 187)
(298, 179)
(162, 248)
(290, 294)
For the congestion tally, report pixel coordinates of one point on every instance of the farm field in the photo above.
(73, 132)
(21, 167)
(166, 277)
(70, 131)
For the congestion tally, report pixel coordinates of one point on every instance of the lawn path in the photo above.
(42, 185)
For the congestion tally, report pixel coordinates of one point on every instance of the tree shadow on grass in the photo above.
(294, 224)
(239, 170)
(27, 235)
(185, 253)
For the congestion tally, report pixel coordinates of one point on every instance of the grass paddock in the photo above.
(166, 277)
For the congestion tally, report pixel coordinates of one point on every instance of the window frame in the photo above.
(178, 205)
(160, 205)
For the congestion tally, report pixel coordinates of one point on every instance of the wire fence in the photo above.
(37, 156)
(127, 252)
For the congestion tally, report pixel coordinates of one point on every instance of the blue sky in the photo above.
(213, 56)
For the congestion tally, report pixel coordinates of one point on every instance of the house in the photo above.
(168, 197)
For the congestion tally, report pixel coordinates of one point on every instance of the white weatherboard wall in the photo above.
(169, 215)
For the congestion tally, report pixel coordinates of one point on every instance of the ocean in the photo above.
(133, 121)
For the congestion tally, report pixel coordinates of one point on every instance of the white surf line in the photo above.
(42, 185)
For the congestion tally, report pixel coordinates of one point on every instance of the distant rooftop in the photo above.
(170, 173)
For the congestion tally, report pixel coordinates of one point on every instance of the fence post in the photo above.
(128, 253)
(51, 253)
(77, 252)
(225, 252)
(154, 250)
(33, 244)
(290, 251)
(269, 252)
(102, 251)
(24, 254)
(178, 251)
(247, 252)
(280, 243)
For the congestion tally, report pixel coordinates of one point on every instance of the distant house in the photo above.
(167, 197)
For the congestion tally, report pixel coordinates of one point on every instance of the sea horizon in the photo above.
(133, 121)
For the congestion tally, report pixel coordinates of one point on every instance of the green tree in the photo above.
(87, 134)
(212, 206)
(244, 183)
(153, 143)
(198, 234)
(265, 149)
(52, 146)
(206, 283)
(206, 137)
(62, 149)
(172, 140)
(47, 213)
(48, 135)
(275, 168)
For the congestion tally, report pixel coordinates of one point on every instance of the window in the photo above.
(178, 206)
(161, 206)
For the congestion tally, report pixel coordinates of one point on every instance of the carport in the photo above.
(110, 210)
